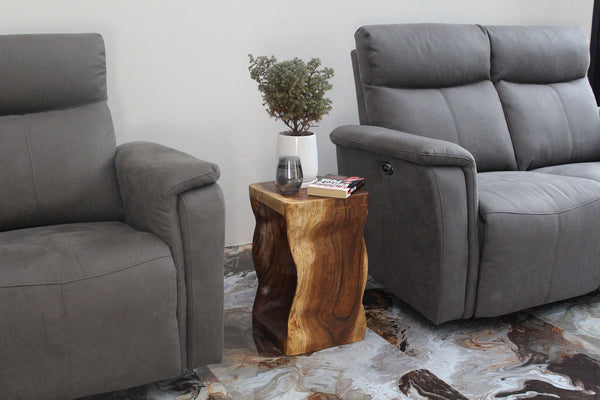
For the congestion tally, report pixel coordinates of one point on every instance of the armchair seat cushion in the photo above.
(87, 295)
(539, 239)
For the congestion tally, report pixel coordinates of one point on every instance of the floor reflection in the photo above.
(548, 352)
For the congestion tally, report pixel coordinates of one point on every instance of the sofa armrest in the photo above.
(401, 145)
(422, 224)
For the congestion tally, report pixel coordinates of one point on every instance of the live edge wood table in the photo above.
(311, 263)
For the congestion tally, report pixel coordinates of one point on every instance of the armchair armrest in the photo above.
(151, 176)
(162, 170)
(176, 197)
(404, 146)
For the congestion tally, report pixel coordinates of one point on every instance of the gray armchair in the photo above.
(481, 147)
(111, 258)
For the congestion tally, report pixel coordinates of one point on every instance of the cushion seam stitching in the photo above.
(416, 153)
(453, 115)
(506, 121)
(180, 186)
(89, 277)
(67, 339)
(185, 230)
(562, 105)
(554, 258)
(547, 213)
(58, 109)
(443, 256)
(35, 178)
(406, 215)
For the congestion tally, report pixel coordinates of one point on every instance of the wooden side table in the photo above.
(311, 263)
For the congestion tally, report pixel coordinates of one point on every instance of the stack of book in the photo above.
(340, 187)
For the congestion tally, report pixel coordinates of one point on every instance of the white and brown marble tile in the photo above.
(515, 356)
(549, 352)
(198, 385)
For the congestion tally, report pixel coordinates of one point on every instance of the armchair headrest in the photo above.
(51, 71)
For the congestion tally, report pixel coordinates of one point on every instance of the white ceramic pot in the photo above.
(304, 147)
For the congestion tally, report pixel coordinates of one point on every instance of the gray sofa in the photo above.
(481, 150)
(111, 258)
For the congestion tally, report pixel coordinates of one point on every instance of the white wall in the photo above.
(177, 70)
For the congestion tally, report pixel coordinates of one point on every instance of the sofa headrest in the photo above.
(48, 72)
(538, 54)
(422, 55)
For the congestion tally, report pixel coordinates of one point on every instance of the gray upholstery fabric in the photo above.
(469, 115)
(539, 239)
(401, 55)
(431, 233)
(542, 71)
(589, 170)
(59, 166)
(151, 178)
(88, 302)
(538, 54)
(57, 142)
(49, 72)
(61, 297)
(451, 99)
(202, 212)
(360, 97)
(434, 102)
(402, 145)
(569, 130)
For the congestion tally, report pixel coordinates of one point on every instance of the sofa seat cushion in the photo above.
(86, 300)
(539, 239)
(589, 170)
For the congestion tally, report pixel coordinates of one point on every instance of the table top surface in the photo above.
(268, 193)
(271, 189)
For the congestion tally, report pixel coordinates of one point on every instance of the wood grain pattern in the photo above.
(311, 263)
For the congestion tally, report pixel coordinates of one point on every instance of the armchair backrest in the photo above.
(57, 142)
(540, 76)
(433, 80)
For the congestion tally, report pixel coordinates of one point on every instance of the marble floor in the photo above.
(551, 352)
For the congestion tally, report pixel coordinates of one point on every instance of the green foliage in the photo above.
(293, 91)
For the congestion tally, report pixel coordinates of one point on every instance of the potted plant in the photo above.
(294, 92)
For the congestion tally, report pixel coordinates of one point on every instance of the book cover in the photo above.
(337, 186)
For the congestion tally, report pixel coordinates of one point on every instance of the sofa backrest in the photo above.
(540, 75)
(57, 142)
(433, 80)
